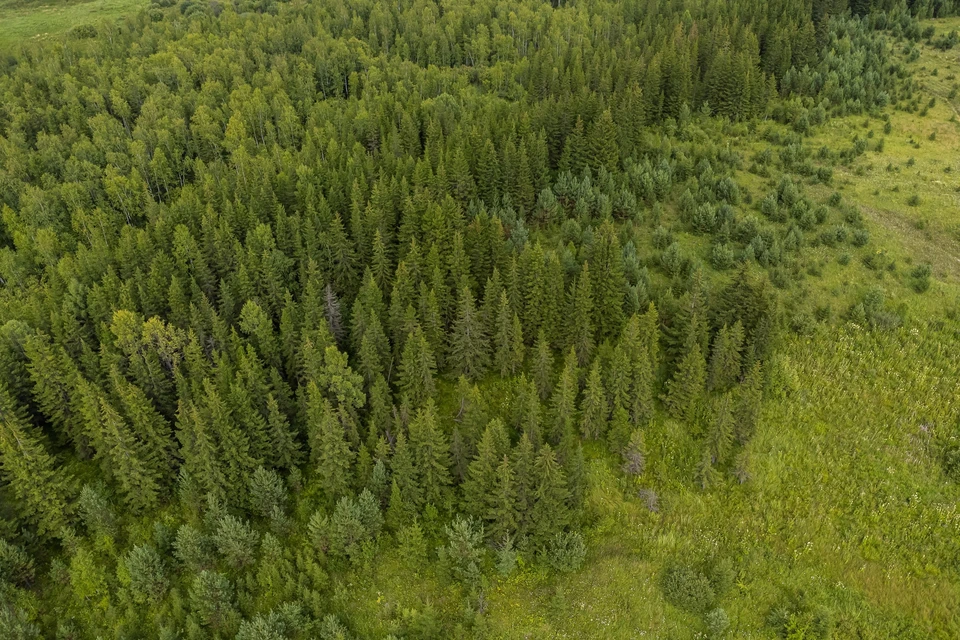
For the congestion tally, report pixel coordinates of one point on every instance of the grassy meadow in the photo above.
(24, 20)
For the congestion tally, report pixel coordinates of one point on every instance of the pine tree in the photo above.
(725, 359)
(41, 488)
(417, 369)
(581, 337)
(468, 344)
(431, 455)
(594, 408)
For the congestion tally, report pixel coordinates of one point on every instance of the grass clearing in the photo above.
(26, 21)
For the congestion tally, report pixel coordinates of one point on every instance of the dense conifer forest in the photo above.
(349, 319)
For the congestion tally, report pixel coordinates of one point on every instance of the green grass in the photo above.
(845, 502)
(33, 20)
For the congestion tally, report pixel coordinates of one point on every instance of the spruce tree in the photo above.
(610, 282)
(594, 408)
(501, 514)
(468, 345)
(417, 369)
(563, 403)
(685, 391)
(725, 358)
(522, 460)
(329, 449)
(508, 339)
(542, 366)
(550, 513)
(482, 471)
(41, 489)
(198, 446)
(405, 474)
(581, 337)
(137, 474)
(431, 455)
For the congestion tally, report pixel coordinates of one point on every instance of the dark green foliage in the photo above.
(145, 570)
(686, 588)
(16, 567)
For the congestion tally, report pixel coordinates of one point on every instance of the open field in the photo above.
(31, 20)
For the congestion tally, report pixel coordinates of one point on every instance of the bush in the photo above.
(722, 256)
(566, 551)
(687, 588)
(914, 200)
(920, 278)
(860, 237)
(717, 623)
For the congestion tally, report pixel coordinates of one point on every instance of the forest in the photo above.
(345, 319)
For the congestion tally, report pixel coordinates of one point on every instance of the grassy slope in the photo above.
(34, 19)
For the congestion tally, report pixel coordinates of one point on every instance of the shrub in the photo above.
(914, 200)
(717, 623)
(860, 237)
(920, 278)
(566, 551)
(687, 588)
(722, 256)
